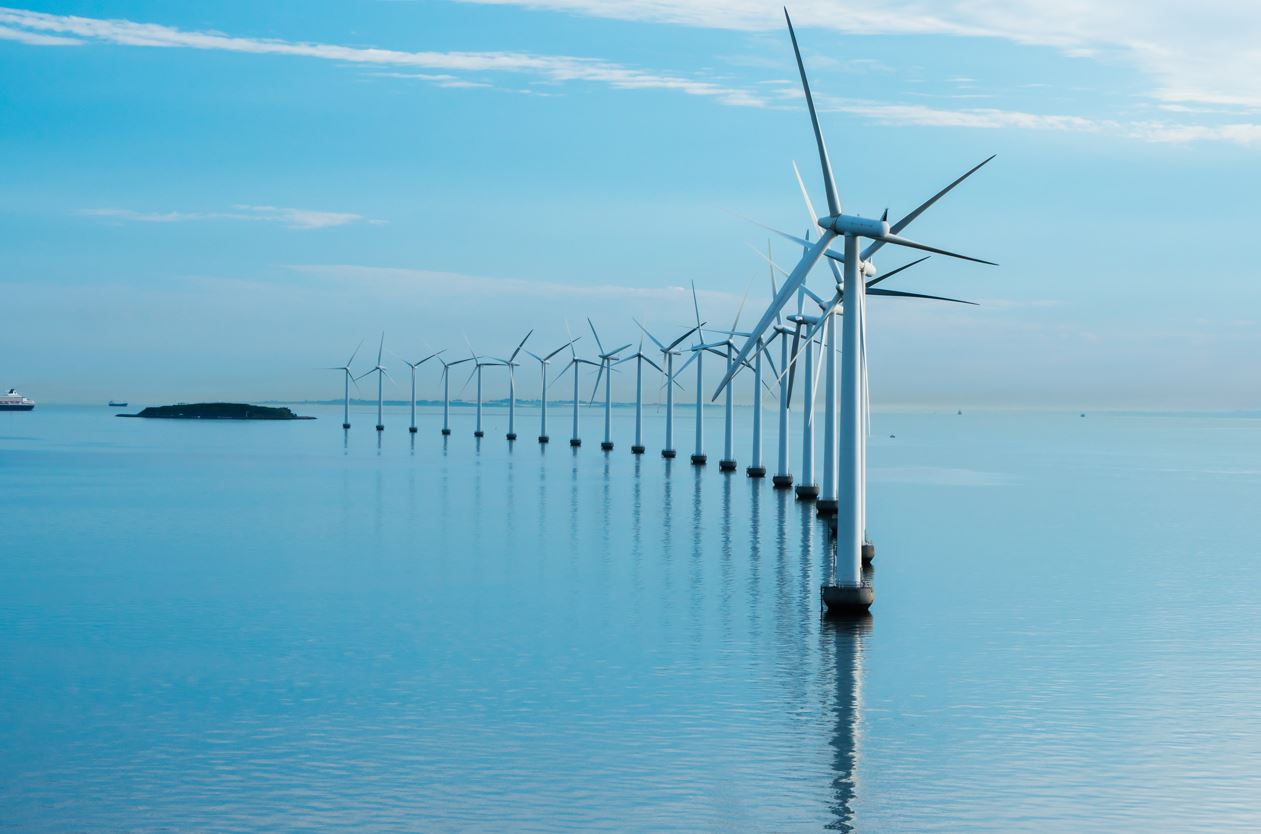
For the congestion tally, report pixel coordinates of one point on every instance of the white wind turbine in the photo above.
(846, 591)
(698, 353)
(347, 378)
(575, 362)
(668, 352)
(640, 358)
(511, 364)
(607, 358)
(446, 391)
(544, 361)
(381, 373)
(414, 366)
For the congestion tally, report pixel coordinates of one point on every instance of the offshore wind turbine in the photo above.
(575, 362)
(347, 378)
(846, 591)
(511, 364)
(698, 353)
(414, 366)
(668, 352)
(544, 361)
(606, 371)
(640, 359)
(478, 364)
(446, 392)
(381, 373)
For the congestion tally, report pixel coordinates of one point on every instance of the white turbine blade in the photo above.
(431, 356)
(476, 368)
(796, 280)
(891, 273)
(900, 294)
(689, 361)
(381, 349)
(901, 241)
(654, 364)
(559, 349)
(598, 343)
(799, 345)
(897, 227)
(655, 340)
(814, 296)
(805, 195)
(697, 307)
(596, 388)
(536, 356)
(736, 324)
(800, 241)
(351, 360)
(518, 350)
(679, 340)
(613, 353)
(829, 182)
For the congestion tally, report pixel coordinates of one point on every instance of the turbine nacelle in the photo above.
(852, 224)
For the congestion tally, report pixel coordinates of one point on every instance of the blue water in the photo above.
(271, 627)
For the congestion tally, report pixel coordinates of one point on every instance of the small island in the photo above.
(216, 411)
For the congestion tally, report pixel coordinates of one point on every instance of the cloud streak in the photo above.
(293, 218)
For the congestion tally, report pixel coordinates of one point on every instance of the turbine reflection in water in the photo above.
(843, 645)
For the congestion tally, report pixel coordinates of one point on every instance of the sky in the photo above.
(217, 200)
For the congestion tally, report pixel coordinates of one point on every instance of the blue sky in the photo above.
(211, 200)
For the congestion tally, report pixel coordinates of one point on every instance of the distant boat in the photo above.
(117, 404)
(13, 401)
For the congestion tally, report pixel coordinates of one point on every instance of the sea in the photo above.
(216, 626)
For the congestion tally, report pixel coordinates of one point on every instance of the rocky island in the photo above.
(216, 411)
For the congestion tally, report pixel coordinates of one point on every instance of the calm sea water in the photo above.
(271, 627)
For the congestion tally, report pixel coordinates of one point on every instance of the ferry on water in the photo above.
(13, 401)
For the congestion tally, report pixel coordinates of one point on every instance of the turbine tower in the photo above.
(446, 392)
(347, 378)
(846, 592)
(574, 362)
(640, 359)
(544, 361)
(606, 370)
(414, 366)
(511, 364)
(381, 373)
(478, 364)
(668, 352)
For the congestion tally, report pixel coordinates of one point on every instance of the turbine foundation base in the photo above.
(479, 433)
(668, 454)
(825, 507)
(606, 445)
(847, 600)
(782, 481)
(544, 438)
(575, 442)
(345, 425)
(380, 427)
(726, 466)
(869, 552)
(512, 435)
(807, 492)
(756, 471)
(637, 450)
(411, 429)
(699, 460)
(446, 432)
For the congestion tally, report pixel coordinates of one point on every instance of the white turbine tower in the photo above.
(606, 370)
(446, 392)
(381, 373)
(846, 592)
(668, 352)
(544, 361)
(347, 378)
(640, 358)
(511, 364)
(414, 366)
(575, 362)
(478, 364)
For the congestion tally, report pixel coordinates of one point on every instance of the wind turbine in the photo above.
(478, 364)
(347, 378)
(414, 366)
(381, 373)
(668, 352)
(640, 359)
(575, 362)
(606, 371)
(698, 353)
(544, 361)
(446, 392)
(846, 592)
(511, 364)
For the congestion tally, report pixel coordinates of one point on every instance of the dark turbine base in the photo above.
(847, 600)
(726, 466)
(446, 432)
(782, 481)
(380, 428)
(637, 450)
(756, 471)
(345, 425)
(544, 438)
(606, 445)
(668, 454)
(575, 442)
(699, 460)
(512, 435)
(807, 492)
(869, 552)
(825, 506)
(411, 429)
(479, 434)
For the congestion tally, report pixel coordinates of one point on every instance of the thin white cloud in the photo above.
(35, 38)
(556, 68)
(293, 218)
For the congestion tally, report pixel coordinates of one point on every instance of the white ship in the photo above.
(13, 401)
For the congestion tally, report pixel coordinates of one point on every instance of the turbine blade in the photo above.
(598, 343)
(381, 349)
(696, 306)
(596, 388)
(736, 324)
(518, 350)
(796, 280)
(559, 349)
(613, 353)
(351, 360)
(655, 340)
(901, 241)
(890, 274)
(897, 227)
(900, 294)
(805, 195)
(829, 183)
(679, 340)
